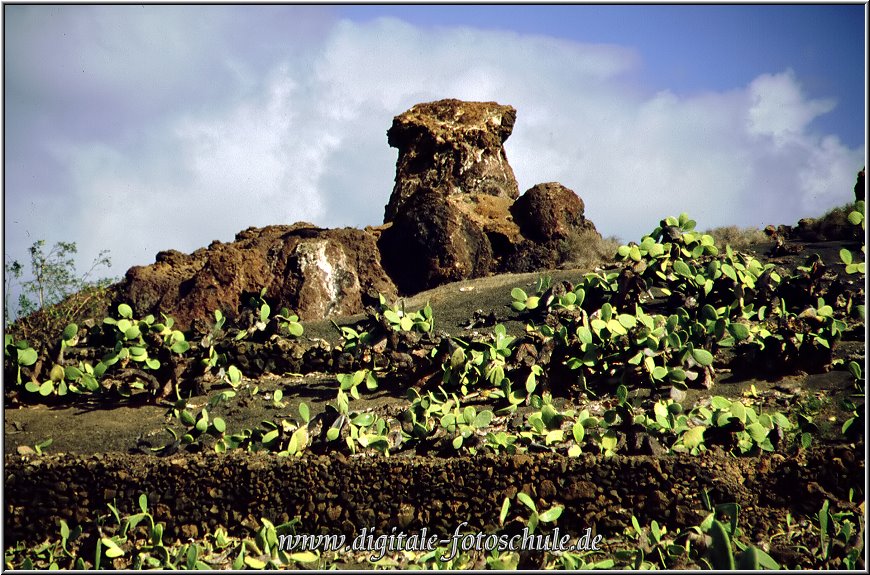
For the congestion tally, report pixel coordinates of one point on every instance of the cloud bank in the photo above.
(181, 125)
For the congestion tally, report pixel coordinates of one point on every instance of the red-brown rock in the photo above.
(453, 215)
(454, 212)
(316, 273)
(548, 212)
(433, 241)
(451, 147)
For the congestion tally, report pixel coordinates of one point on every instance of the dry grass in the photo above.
(834, 225)
(43, 327)
(586, 249)
(838, 216)
(736, 237)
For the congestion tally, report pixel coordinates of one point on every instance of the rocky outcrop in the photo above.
(453, 215)
(552, 224)
(434, 241)
(315, 272)
(437, 239)
(454, 212)
(451, 147)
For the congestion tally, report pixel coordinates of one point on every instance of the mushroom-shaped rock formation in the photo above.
(454, 212)
(452, 147)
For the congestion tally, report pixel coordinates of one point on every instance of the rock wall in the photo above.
(332, 494)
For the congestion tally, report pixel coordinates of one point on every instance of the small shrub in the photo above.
(586, 249)
(834, 225)
(56, 294)
(738, 238)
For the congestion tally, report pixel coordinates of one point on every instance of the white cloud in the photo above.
(254, 154)
(734, 157)
(779, 109)
(295, 130)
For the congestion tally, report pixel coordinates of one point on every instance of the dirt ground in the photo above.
(103, 428)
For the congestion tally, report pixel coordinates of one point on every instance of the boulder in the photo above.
(433, 241)
(451, 147)
(551, 220)
(314, 272)
(549, 212)
(437, 239)
(529, 256)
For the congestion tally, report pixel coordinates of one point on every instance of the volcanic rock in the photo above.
(454, 212)
(453, 215)
(451, 147)
(433, 241)
(548, 216)
(436, 239)
(549, 212)
(314, 272)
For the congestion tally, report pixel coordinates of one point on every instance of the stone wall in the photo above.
(334, 494)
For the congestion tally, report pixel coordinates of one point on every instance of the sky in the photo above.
(144, 128)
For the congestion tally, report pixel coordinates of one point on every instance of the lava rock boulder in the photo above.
(314, 272)
(548, 212)
(434, 241)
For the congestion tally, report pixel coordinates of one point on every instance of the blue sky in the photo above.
(686, 49)
(144, 128)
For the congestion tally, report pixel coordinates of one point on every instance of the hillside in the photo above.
(478, 367)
